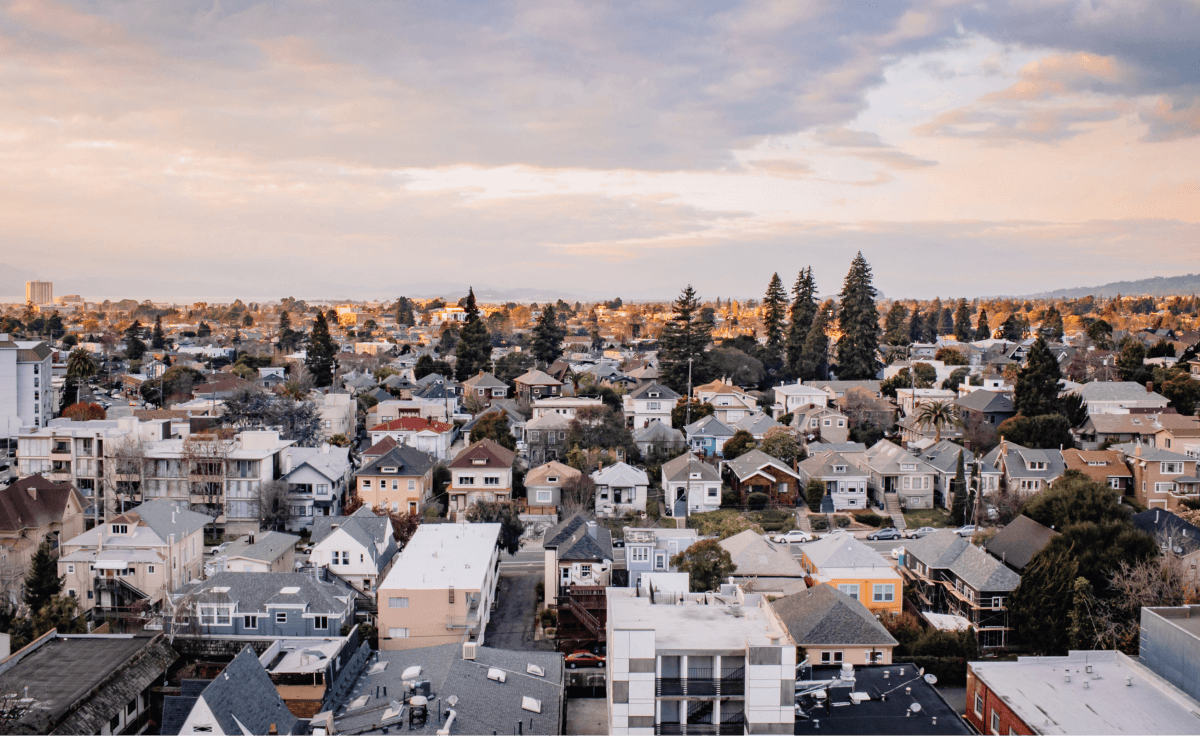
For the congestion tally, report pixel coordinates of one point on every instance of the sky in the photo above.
(368, 149)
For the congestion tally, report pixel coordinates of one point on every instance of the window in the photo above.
(544, 496)
(712, 492)
(660, 562)
(849, 589)
(71, 592)
(466, 480)
(884, 593)
(398, 632)
(491, 480)
(70, 569)
(908, 466)
(115, 723)
(281, 617)
(839, 468)
(201, 729)
(997, 602)
(1164, 487)
(412, 485)
(120, 529)
(995, 721)
(1171, 468)
(397, 602)
(978, 705)
(216, 615)
(366, 483)
(653, 405)
(320, 622)
(328, 424)
(550, 437)
(533, 435)
(585, 570)
(831, 657)
(149, 569)
(250, 622)
(639, 554)
(1114, 483)
(1030, 484)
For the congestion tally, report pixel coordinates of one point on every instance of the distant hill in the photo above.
(12, 282)
(1158, 286)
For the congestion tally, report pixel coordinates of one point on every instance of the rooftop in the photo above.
(825, 616)
(838, 713)
(263, 546)
(701, 622)
(443, 555)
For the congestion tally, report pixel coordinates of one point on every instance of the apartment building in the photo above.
(338, 414)
(1161, 478)
(317, 479)
(39, 292)
(441, 588)
(398, 481)
(26, 394)
(422, 433)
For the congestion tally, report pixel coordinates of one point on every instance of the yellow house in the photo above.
(398, 481)
(855, 569)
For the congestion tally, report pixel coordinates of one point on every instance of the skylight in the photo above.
(533, 669)
(290, 590)
(497, 674)
(531, 704)
(220, 589)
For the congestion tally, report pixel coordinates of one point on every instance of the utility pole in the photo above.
(978, 489)
(688, 399)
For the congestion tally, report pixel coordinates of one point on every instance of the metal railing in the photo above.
(701, 684)
(732, 728)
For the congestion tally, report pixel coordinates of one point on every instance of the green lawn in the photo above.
(929, 517)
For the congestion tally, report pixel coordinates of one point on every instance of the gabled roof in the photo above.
(946, 550)
(821, 465)
(825, 616)
(658, 431)
(365, 527)
(243, 697)
(1099, 465)
(535, 377)
(493, 455)
(408, 461)
(1017, 543)
(708, 426)
(484, 379)
(842, 551)
(540, 476)
(681, 468)
(750, 463)
(1165, 526)
(328, 460)
(35, 501)
(165, 519)
(620, 474)
(1154, 454)
(987, 401)
(1117, 391)
(886, 457)
(755, 556)
(756, 424)
(1016, 457)
(944, 456)
(654, 387)
(267, 546)
(381, 447)
(255, 591)
(552, 420)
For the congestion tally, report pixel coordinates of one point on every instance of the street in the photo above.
(512, 624)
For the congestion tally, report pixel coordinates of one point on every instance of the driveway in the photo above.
(512, 623)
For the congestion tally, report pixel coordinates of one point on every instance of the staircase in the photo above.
(892, 502)
(584, 616)
(802, 522)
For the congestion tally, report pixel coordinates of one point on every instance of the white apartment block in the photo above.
(337, 414)
(39, 292)
(26, 393)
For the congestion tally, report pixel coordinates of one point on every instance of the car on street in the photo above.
(583, 658)
(886, 533)
(796, 535)
(918, 533)
(966, 531)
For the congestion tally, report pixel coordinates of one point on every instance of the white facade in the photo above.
(26, 393)
(337, 415)
(791, 396)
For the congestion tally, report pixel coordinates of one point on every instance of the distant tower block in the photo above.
(39, 292)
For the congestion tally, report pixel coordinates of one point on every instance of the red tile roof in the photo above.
(413, 424)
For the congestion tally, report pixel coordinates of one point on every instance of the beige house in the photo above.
(34, 510)
(258, 552)
(142, 555)
(441, 588)
(337, 414)
(482, 472)
(400, 481)
(833, 627)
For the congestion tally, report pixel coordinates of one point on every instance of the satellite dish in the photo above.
(915, 707)
(931, 679)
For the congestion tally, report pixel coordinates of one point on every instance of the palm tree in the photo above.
(80, 367)
(939, 414)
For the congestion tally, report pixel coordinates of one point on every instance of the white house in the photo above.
(358, 548)
(26, 396)
(620, 489)
(565, 405)
(422, 433)
(316, 477)
(691, 486)
(1118, 397)
(337, 414)
(791, 396)
(648, 403)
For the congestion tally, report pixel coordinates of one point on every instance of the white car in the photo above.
(794, 535)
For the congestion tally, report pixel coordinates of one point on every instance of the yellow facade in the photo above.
(394, 493)
(861, 584)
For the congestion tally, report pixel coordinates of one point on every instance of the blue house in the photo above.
(262, 604)
(651, 550)
(707, 436)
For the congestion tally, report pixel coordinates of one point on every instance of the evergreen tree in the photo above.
(548, 336)
(814, 360)
(405, 314)
(933, 319)
(287, 336)
(775, 306)
(804, 309)
(982, 330)
(1036, 391)
(1131, 362)
(916, 326)
(859, 323)
(962, 322)
(475, 347)
(134, 347)
(158, 340)
(895, 325)
(42, 582)
(958, 504)
(1052, 325)
(1013, 328)
(946, 322)
(320, 353)
(684, 336)
(1082, 633)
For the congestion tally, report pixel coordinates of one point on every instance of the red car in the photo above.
(583, 659)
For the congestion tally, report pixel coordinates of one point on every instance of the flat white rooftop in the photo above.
(443, 555)
(1035, 688)
(690, 626)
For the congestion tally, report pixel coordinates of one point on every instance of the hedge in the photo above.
(868, 518)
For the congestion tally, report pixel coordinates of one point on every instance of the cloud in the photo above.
(1171, 119)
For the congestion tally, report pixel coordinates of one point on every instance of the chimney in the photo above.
(252, 538)
(1150, 387)
(32, 489)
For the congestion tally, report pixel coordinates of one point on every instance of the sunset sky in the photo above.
(370, 149)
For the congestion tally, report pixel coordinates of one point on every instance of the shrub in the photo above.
(729, 497)
(757, 500)
(820, 523)
(541, 590)
(841, 521)
(549, 617)
(814, 491)
(866, 517)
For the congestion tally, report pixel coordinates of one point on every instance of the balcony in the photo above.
(702, 684)
(733, 728)
(470, 621)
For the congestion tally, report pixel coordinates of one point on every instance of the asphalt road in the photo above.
(512, 624)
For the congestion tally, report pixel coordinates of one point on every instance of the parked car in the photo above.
(886, 533)
(966, 531)
(583, 658)
(918, 533)
(796, 535)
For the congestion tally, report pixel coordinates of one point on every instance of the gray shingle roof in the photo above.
(946, 550)
(987, 401)
(825, 616)
(748, 464)
(655, 431)
(708, 426)
(570, 537)
(663, 392)
(681, 468)
(754, 555)
(267, 547)
(254, 591)
(1163, 526)
(166, 519)
(244, 696)
(409, 461)
(1116, 391)
(1017, 543)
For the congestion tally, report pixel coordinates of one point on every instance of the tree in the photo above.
(775, 306)
(474, 351)
(804, 310)
(1161, 581)
(134, 347)
(83, 411)
(1100, 333)
(404, 526)
(600, 427)
(288, 338)
(80, 367)
(1013, 328)
(494, 426)
(274, 505)
(1074, 408)
(321, 353)
(42, 582)
(1042, 432)
(1076, 499)
(548, 336)
(684, 340)
(737, 366)
(203, 330)
(405, 314)
(1081, 634)
(958, 489)
(950, 356)
(932, 320)
(684, 408)
(739, 444)
(814, 491)
(895, 325)
(707, 564)
(577, 493)
(1131, 363)
(780, 443)
(511, 528)
(956, 378)
(1182, 391)
(917, 329)
(814, 359)
(962, 322)
(427, 365)
(982, 330)
(158, 339)
(859, 323)
(1039, 607)
(1036, 391)
(939, 415)
(1052, 325)
(946, 322)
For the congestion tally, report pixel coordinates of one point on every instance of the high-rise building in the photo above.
(26, 395)
(39, 292)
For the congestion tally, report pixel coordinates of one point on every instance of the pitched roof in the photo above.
(658, 431)
(34, 502)
(413, 424)
(681, 468)
(944, 549)
(886, 458)
(708, 426)
(1099, 465)
(822, 464)
(750, 463)
(1019, 541)
(756, 424)
(1164, 525)
(484, 379)
(535, 377)
(367, 528)
(664, 393)
(408, 461)
(620, 474)
(493, 455)
(330, 461)
(754, 555)
(243, 698)
(842, 551)
(824, 615)
(267, 546)
(166, 519)
(1117, 391)
(1154, 454)
(254, 591)
(540, 476)
(987, 401)
(381, 447)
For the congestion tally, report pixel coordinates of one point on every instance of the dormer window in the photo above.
(839, 468)
(479, 461)
(653, 394)
(1037, 465)
(552, 479)
(120, 528)
(389, 470)
(695, 476)
(907, 466)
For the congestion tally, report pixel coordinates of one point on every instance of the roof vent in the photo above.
(530, 704)
(469, 650)
(533, 669)
(497, 674)
(410, 673)
(290, 590)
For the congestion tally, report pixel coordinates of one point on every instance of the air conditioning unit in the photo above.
(469, 650)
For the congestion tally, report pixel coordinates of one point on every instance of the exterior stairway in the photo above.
(892, 502)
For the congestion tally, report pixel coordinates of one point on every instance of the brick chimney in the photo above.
(1150, 387)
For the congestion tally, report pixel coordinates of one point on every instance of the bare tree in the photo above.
(125, 476)
(203, 464)
(274, 505)
(1160, 581)
(577, 493)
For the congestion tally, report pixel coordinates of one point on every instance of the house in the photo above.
(833, 627)
(730, 406)
(659, 438)
(26, 394)
(1176, 432)
(1017, 543)
(690, 486)
(481, 472)
(757, 424)
(840, 389)
(846, 563)
(260, 552)
(771, 567)
(95, 684)
(650, 551)
(242, 699)
(317, 479)
(948, 574)
(707, 392)
(844, 479)
(862, 407)
(985, 407)
(485, 388)
(791, 396)
(440, 590)
(620, 489)
(423, 433)
(1118, 397)
(398, 481)
(911, 400)
(1161, 478)
(758, 472)
(820, 423)
(512, 416)
(478, 690)
(358, 548)
(1103, 466)
(34, 511)
(675, 668)
(1175, 537)
(546, 438)
(338, 414)
(565, 405)
(707, 436)
(534, 384)
(895, 470)
(861, 699)
(1084, 692)
(1099, 430)
(1025, 470)
(261, 605)
(543, 485)
(943, 457)
(579, 561)
(145, 554)
(651, 402)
